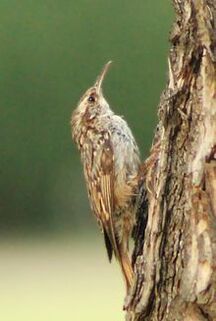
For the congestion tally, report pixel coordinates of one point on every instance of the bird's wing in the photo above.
(102, 192)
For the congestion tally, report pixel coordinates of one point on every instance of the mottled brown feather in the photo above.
(102, 191)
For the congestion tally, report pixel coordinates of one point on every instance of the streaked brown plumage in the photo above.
(110, 159)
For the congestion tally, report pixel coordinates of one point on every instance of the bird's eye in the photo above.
(91, 98)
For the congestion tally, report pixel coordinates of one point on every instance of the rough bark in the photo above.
(175, 239)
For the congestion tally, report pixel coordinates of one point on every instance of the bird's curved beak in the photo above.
(101, 77)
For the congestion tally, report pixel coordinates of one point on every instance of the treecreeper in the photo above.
(111, 162)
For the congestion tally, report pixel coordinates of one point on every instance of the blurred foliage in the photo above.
(52, 51)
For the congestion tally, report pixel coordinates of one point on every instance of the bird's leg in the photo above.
(148, 168)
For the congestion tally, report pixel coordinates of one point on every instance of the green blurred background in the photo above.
(53, 264)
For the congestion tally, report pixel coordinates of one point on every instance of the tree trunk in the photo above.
(175, 238)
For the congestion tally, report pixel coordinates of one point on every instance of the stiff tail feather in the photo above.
(127, 270)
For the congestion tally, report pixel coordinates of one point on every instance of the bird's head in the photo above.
(93, 102)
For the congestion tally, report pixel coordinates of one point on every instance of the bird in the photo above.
(111, 162)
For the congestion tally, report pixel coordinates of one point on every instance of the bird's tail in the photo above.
(127, 269)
